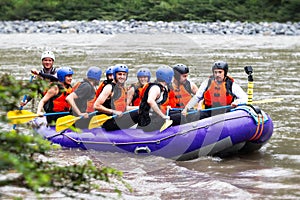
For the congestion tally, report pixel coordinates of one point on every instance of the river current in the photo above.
(271, 173)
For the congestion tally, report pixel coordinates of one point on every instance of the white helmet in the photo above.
(48, 54)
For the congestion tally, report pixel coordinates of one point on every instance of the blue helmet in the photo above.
(109, 70)
(63, 72)
(94, 73)
(220, 65)
(165, 74)
(180, 69)
(144, 72)
(120, 68)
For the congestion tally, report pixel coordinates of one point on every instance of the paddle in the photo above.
(99, 120)
(24, 99)
(23, 116)
(65, 122)
(167, 123)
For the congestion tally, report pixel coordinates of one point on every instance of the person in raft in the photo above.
(156, 100)
(54, 99)
(83, 92)
(218, 90)
(134, 91)
(112, 101)
(183, 88)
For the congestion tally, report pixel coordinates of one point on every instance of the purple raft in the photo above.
(243, 130)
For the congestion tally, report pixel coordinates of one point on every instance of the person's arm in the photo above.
(194, 87)
(196, 98)
(50, 77)
(153, 94)
(98, 105)
(50, 93)
(241, 96)
(130, 94)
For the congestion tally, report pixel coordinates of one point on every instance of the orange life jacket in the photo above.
(90, 103)
(218, 94)
(136, 99)
(183, 94)
(58, 102)
(118, 101)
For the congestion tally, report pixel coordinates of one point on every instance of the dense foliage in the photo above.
(151, 10)
(20, 153)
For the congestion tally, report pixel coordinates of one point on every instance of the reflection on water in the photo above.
(271, 173)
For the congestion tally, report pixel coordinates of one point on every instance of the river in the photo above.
(271, 173)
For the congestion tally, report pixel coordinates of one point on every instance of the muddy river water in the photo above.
(271, 173)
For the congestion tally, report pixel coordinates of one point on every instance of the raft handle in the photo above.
(142, 150)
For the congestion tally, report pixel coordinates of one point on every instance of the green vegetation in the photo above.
(151, 10)
(20, 153)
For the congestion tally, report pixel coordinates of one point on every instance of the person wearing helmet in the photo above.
(183, 88)
(112, 100)
(54, 99)
(155, 100)
(109, 79)
(48, 72)
(218, 90)
(134, 91)
(83, 92)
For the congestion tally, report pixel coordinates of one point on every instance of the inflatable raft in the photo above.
(243, 130)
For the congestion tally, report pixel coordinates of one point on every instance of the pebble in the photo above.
(150, 27)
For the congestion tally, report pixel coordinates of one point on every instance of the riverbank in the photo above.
(150, 27)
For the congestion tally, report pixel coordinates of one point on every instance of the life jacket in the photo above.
(118, 101)
(90, 103)
(217, 95)
(52, 71)
(58, 102)
(183, 93)
(136, 99)
(144, 108)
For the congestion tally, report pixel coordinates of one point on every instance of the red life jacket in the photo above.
(183, 94)
(218, 94)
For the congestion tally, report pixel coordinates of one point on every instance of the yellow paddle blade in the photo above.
(65, 122)
(166, 125)
(268, 101)
(98, 120)
(20, 116)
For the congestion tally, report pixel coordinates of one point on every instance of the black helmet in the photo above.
(220, 65)
(180, 69)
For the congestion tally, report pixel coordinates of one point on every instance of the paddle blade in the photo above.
(20, 116)
(65, 122)
(166, 125)
(98, 120)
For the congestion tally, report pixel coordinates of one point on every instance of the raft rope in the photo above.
(256, 136)
(149, 141)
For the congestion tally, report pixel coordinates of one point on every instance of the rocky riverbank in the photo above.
(150, 27)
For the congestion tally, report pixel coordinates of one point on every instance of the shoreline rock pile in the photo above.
(150, 27)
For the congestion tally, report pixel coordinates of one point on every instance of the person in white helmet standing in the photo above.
(48, 72)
